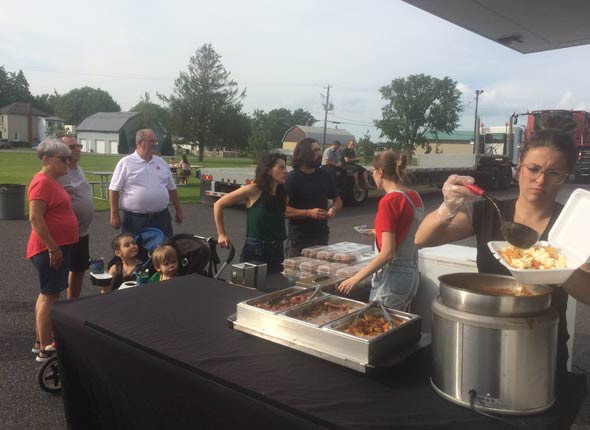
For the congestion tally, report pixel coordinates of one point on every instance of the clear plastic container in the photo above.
(326, 254)
(310, 265)
(295, 262)
(312, 251)
(344, 252)
(348, 271)
(358, 248)
(345, 257)
(329, 268)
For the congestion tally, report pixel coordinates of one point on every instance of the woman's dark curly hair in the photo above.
(264, 181)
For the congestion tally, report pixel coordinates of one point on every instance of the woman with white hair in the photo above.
(54, 229)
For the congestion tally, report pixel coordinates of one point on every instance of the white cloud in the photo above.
(284, 53)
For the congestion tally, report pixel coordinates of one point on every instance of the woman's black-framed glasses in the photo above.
(554, 176)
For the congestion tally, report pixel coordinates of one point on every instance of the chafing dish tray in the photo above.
(275, 302)
(303, 327)
(367, 336)
(323, 311)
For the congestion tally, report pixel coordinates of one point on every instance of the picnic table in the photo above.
(102, 184)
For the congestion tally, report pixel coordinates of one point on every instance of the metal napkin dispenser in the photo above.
(251, 275)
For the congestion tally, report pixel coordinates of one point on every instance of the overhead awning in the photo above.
(523, 25)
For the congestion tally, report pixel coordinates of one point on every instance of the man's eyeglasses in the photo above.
(554, 176)
(150, 141)
(75, 146)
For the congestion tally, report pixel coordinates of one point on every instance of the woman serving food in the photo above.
(395, 268)
(546, 161)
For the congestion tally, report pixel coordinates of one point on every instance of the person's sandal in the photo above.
(36, 349)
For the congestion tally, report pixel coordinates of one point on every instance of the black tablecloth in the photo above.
(163, 356)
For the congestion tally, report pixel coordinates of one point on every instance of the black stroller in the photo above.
(197, 254)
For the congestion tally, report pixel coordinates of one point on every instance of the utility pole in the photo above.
(326, 107)
(476, 125)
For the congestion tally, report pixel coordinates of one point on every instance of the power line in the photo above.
(361, 122)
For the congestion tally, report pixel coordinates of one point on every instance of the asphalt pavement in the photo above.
(24, 405)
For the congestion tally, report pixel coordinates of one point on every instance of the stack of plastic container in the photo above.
(342, 259)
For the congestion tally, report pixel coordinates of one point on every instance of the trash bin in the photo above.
(12, 201)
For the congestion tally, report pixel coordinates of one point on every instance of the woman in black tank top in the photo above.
(545, 163)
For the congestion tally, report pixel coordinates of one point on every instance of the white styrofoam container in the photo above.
(569, 235)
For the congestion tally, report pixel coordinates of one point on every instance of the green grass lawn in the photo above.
(19, 167)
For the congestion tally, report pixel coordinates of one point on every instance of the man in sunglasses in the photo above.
(75, 183)
(141, 187)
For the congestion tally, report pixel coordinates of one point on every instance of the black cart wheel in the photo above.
(48, 376)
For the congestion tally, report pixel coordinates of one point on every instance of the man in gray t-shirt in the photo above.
(80, 191)
(331, 159)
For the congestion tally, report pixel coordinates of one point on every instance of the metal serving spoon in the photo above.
(516, 234)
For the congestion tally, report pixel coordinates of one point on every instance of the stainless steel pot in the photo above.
(479, 293)
(503, 363)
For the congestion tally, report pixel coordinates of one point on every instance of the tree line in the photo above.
(205, 109)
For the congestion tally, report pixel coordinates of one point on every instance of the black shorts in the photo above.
(80, 255)
(356, 168)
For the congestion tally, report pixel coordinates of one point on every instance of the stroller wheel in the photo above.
(48, 376)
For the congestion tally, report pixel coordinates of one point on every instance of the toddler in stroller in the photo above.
(165, 262)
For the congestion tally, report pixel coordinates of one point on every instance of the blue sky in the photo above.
(283, 53)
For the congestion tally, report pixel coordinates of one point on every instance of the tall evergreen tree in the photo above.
(201, 95)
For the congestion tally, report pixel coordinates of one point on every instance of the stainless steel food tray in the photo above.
(248, 311)
(326, 341)
(371, 350)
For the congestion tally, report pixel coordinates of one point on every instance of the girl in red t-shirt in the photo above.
(395, 268)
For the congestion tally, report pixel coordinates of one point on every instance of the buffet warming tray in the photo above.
(304, 328)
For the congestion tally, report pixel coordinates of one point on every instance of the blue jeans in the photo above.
(135, 222)
(395, 285)
(265, 251)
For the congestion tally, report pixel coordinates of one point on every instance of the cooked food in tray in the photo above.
(537, 257)
(324, 312)
(285, 303)
(368, 325)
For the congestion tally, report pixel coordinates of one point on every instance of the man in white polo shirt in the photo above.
(141, 186)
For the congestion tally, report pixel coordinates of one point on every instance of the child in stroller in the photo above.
(165, 262)
(127, 264)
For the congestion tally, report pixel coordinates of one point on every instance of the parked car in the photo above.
(4, 144)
